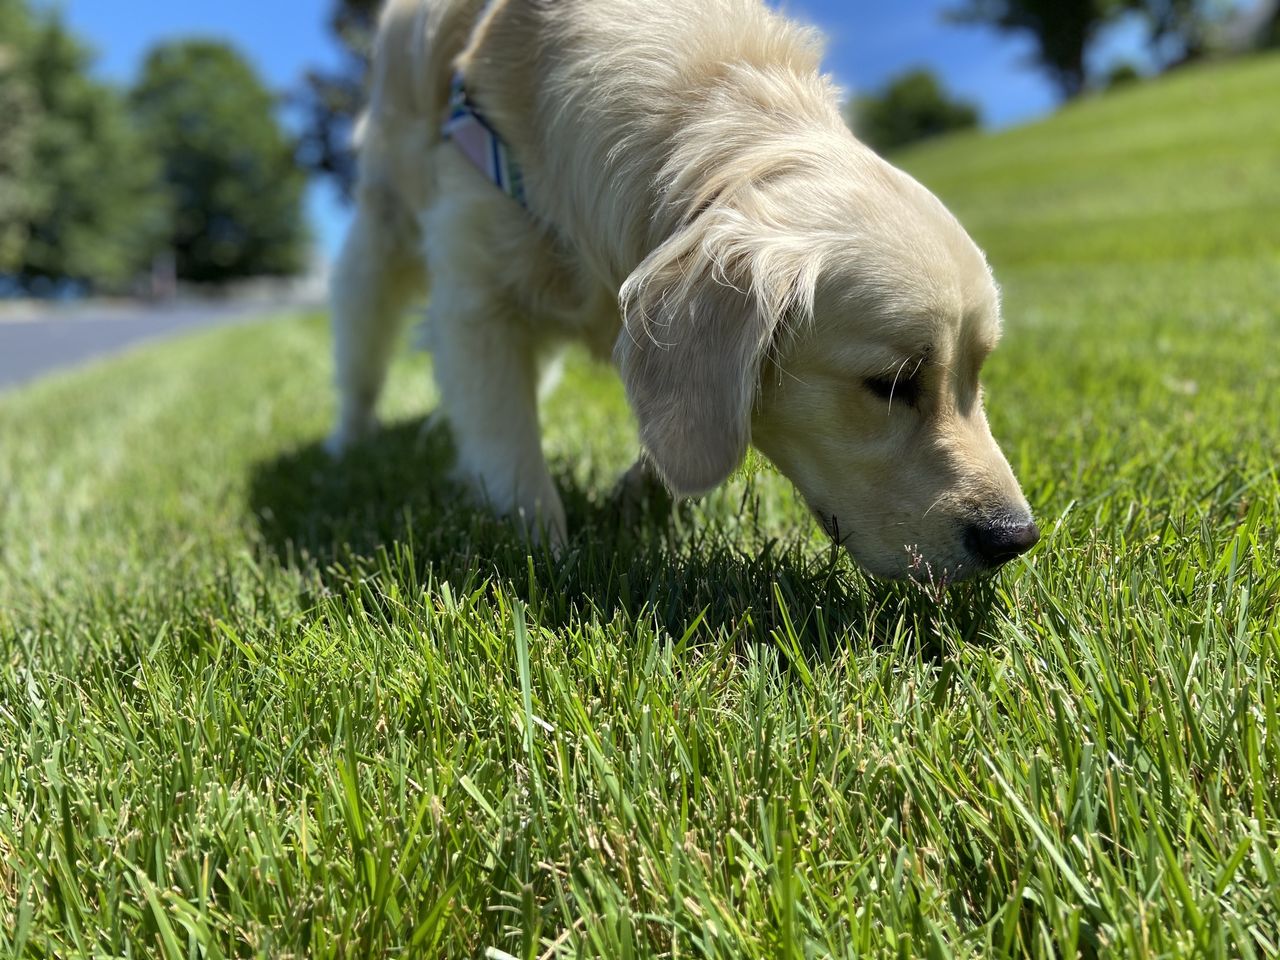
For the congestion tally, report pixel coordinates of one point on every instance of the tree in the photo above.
(1123, 74)
(1181, 31)
(78, 197)
(333, 99)
(1245, 28)
(234, 188)
(17, 134)
(1268, 34)
(1062, 30)
(911, 107)
(1180, 24)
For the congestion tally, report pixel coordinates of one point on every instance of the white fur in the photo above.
(699, 209)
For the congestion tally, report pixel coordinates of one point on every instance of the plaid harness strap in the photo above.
(481, 144)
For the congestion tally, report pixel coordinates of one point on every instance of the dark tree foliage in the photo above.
(1268, 36)
(1061, 29)
(1121, 75)
(332, 99)
(1244, 28)
(910, 108)
(79, 196)
(1222, 26)
(1178, 30)
(234, 187)
(17, 139)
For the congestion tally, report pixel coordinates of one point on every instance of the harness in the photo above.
(480, 143)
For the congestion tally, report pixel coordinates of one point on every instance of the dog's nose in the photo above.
(1001, 541)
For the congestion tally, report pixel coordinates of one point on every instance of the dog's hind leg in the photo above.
(379, 274)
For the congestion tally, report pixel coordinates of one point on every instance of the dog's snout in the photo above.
(1000, 541)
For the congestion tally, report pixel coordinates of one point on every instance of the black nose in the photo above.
(1000, 541)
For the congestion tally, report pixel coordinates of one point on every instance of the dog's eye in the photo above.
(900, 389)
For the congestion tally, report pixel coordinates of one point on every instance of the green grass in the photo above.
(1169, 171)
(252, 705)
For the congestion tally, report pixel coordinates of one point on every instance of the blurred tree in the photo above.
(911, 107)
(1122, 74)
(234, 187)
(1181, 31)
(1178, 28)
(78, 190)
(17, 135)
(1255, 26)
(1062, 30)
(333, 99)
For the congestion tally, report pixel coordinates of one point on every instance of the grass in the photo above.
(254, 706)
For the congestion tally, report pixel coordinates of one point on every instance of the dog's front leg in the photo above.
(640, 490)
(486, 366)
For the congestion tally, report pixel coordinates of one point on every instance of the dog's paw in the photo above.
(544, 526)
(537, 509)
(337, 444)
(640, 492)
(349, 432)
(340, 443)
(531, 505)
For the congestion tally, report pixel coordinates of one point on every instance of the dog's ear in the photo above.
(693, 340)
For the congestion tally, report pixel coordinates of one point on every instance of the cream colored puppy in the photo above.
(697, 207)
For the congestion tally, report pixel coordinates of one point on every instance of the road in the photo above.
(58, 337)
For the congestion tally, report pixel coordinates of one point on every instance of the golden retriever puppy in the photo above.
(691, 202)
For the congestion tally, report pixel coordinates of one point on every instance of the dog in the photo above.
(691, 203)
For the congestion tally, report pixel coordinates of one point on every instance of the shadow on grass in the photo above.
(388, 506)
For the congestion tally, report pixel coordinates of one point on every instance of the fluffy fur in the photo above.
(698, 209)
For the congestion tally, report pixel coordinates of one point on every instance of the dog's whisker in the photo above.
(932, 505)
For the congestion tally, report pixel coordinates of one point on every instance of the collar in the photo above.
(481, 144)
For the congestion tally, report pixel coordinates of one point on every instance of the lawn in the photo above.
(255, 705)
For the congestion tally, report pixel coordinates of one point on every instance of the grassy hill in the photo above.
(1186, 167)
(254, 705)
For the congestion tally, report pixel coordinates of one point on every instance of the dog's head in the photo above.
(837, 318)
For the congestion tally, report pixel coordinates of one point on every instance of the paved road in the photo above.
(66, 336)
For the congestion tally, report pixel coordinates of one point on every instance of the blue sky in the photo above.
(869, 41)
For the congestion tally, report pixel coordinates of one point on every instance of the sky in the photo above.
(869, 41)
